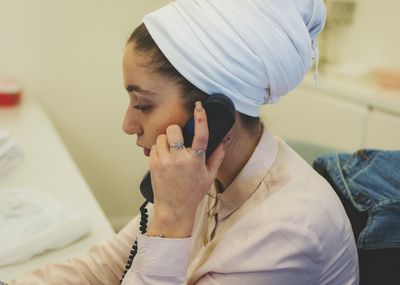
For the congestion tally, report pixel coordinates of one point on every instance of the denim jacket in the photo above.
(370, 180)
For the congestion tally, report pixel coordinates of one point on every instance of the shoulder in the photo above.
(294, 205)
(301, 196)
(292, 225)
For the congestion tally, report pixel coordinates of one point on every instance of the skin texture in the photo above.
(164, 101)
(180, 179)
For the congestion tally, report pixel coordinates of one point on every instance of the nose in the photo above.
(131, 124)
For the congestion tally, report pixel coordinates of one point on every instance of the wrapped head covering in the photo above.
(253, 51)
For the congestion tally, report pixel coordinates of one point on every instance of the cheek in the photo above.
(159, 125)
(165, 120)
(165, 123)
(160, 129)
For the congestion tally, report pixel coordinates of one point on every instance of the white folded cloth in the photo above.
(32, 222)
(10, 153)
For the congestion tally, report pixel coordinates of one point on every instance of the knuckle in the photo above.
(180, 163)
(163, 165)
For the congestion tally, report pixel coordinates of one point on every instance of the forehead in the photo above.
(137, 67)
(138, 71)
(134, 60)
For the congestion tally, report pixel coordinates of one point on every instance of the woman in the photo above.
(254, 212)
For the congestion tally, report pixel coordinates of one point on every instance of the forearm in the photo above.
(73, 271)
(103, 264)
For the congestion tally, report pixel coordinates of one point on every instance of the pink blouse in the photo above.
(278, 222)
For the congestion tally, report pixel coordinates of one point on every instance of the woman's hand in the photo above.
(181, 178)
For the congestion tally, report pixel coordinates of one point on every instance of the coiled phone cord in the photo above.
(143, 229)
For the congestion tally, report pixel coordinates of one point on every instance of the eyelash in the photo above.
(143, 108)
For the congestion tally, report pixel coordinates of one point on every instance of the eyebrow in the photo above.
(135, 88)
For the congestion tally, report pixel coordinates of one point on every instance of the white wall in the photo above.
(373, 38)
(68, 55)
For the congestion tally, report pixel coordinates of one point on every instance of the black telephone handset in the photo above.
(220, 117)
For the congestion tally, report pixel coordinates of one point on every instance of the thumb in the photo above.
(215, 160)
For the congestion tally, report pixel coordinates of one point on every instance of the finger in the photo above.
(162, 147)
(153, 157)
(200, 140)
(175, 139)
(215, 160)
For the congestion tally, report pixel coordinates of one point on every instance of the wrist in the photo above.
(169, 233)
(171, 226)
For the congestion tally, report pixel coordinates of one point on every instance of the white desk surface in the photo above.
(48, 167)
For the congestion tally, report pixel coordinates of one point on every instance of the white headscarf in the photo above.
(253, 51)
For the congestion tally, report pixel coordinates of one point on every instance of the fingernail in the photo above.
(199, 106)
(226, 140)
(225, 143)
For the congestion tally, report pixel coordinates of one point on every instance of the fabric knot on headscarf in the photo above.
(253, 51)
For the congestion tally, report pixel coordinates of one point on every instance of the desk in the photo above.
(48, 167)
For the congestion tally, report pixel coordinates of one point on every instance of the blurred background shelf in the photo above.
(346, 114)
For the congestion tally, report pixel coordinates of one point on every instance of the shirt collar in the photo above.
(249, 178)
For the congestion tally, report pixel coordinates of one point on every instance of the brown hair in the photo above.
(160, 64)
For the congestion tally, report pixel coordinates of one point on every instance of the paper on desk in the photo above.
(10, 153)
(32, 222)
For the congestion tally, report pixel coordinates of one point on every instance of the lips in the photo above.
(146, 152)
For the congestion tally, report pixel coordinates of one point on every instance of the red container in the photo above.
(10, 93)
